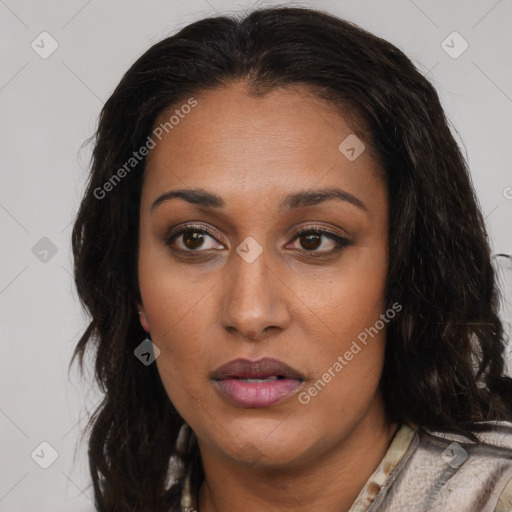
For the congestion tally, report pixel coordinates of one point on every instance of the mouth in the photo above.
(253, 384)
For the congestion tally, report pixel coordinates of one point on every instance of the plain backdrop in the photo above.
(50, 108)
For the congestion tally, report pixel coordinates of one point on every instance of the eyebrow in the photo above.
(291, 201)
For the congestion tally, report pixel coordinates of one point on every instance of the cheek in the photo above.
(349, 353)
(341, 399)
(346, 301)
(175, 307)
(176, 312)
(171, 296)
(179, 329)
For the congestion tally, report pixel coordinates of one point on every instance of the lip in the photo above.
(284, 381)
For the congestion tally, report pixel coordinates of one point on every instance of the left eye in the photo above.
(311, 240)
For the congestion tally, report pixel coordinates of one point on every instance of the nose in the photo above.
(254, 299)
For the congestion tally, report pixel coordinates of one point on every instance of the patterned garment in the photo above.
(427, 471)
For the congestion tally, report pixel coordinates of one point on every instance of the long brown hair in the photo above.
(444, 356)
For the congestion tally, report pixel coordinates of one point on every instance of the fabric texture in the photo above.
(439, 472)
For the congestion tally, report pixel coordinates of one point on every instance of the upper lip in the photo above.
(260, 369)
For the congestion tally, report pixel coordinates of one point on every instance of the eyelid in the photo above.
(340, 240)
(317, 229)
(178, 230)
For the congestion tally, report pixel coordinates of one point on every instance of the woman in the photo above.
(292, 298)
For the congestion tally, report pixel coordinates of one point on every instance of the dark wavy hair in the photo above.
(444, 364)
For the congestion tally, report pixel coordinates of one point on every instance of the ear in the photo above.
(143, 319)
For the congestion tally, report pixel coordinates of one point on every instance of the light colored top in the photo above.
(428, 471)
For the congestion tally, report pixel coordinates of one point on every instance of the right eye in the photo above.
(192, 239)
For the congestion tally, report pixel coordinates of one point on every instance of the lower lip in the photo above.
(257, 394)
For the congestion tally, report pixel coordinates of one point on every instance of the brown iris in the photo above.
(193, 239)
(310, 241)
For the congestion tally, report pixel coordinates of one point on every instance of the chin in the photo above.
(272, 444)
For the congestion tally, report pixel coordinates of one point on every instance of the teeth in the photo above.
(268, 379)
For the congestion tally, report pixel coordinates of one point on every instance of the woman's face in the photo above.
(241, 283)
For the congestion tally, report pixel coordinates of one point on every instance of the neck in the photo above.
(330, 481)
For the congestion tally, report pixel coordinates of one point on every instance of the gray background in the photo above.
(49, 109)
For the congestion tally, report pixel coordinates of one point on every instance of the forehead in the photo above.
(235, 142)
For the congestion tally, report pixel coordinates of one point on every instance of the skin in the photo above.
(305, 311)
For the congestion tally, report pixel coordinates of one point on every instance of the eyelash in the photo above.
(340, 241)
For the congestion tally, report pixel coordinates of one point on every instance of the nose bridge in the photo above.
(252, 295)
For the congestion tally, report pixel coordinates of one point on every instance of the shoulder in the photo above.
(493, 453)
(495, 435)
(449, 472)
(483, 469)
(494, 443)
